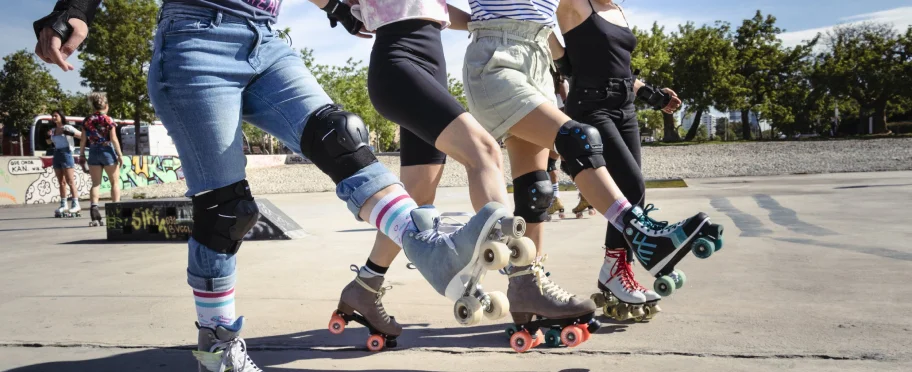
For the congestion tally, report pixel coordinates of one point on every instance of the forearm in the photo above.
(320, 3)
(557, 50)
(637, 85)
(459, 19)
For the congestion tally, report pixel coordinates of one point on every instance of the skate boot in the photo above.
(222, 349)
(556, 207)
(583, 206)
(360, 303)
(74, 209)
(60, 211)
(619, 294)
(660, 246)
(454, 259)
(95, 215)
(537, 304)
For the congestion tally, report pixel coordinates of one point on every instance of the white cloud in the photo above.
(901, 18)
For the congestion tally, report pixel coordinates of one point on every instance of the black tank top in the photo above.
(599, 50)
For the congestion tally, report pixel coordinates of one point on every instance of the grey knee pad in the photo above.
(581, 147)
(532, 195)
(337, 142)
(223, 216)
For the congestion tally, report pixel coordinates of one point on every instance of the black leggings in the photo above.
(609, 108)
(407, 84)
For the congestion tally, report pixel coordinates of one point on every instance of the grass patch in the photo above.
(650, 184)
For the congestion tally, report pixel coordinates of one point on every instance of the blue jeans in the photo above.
(210, 71)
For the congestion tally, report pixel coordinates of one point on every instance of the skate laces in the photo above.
(434, 234)
(622, 269)
(649, 222)
(234, 356)
(378, 292)
(545, 286)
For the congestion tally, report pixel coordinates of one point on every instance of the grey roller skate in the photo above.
(454, 259)
(543, 312)
(659, 246)
(95, 214)
(222, 349)
(361, 303)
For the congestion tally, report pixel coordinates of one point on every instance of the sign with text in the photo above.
(25, 166)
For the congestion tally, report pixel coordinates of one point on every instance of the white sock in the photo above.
(393, 214)
(615, 213)
(555, 189)
(214, 308)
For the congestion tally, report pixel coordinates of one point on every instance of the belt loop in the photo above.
(504, 34)
(218, 18)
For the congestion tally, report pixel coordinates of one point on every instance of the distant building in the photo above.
(707, 122)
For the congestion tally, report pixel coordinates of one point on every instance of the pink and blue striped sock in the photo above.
(214, 308)
(393, 214)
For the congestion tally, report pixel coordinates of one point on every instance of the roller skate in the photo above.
(620, 296)
(539, 304)
(454, 259)
(660, 246)
(360, 303)
(556, 207)
(95, 215)
(60, 211)
(583, 206)
(74, 209)
(222, 349)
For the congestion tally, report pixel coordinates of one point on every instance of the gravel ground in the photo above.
(696, 161)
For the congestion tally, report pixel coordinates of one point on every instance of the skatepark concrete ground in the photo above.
(814, 276)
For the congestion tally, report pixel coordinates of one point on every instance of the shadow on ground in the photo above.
(273, 352)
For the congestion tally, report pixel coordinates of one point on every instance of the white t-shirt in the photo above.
(62, 140)
(377, 13)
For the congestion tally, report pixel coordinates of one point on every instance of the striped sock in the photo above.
(371, 269)
(214, 308)
(393, 214)
(555, 190)
(616, 212)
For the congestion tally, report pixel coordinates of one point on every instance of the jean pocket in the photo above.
(506, 56)
(178, 26)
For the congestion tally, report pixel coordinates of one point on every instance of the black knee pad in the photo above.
(532, 195)
(580, 145)
(337, 142)
(223, 216)
(552, 165)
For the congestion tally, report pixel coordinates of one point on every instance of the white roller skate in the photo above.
(222, 349)
(619, 294)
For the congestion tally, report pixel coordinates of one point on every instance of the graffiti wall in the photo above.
(26, 180)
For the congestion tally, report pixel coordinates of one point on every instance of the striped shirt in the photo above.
(540, 11)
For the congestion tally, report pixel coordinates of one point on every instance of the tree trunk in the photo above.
(137, 124)
(671, 133)
(21, 144)
(880, 117)
(695, 126)
(745, 125)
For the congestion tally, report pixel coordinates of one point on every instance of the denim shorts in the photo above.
(63, 159)
(103, 155)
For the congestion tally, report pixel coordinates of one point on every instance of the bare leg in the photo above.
(71, 180)
(525, 158)
(421, 183)
(113, 172)
(540, 127)
(95, 173)
(467, 142)
(61, 182)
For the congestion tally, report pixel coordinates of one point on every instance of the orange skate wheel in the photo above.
(585, 329)
(336, 324)
(572, 336)
(521, 341)
(375, 343)
(539, 338)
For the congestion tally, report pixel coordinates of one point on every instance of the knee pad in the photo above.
(532, 195)
(222, 217)
(337, 142)
(581, 147)
(552, 165)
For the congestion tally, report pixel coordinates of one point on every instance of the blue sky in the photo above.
(802, 19)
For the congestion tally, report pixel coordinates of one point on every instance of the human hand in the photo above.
(51, 49)
(674, 104)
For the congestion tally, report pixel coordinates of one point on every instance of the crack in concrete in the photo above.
(558, 352)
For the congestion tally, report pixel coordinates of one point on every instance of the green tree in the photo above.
(117, 55)
(870, 63)
(74, 104)
(702, 61)
(758, 50)
(653, 58)
(26, 90)
(653, 123)
(793, 105)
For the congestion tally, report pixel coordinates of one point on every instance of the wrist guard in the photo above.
(653, 96)
(64, 10)
(339, 12)
(563, 65)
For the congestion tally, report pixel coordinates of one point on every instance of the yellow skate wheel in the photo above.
(495, 255)
(522, 251)
(468, 311)
(499, 306)
(599, 299)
